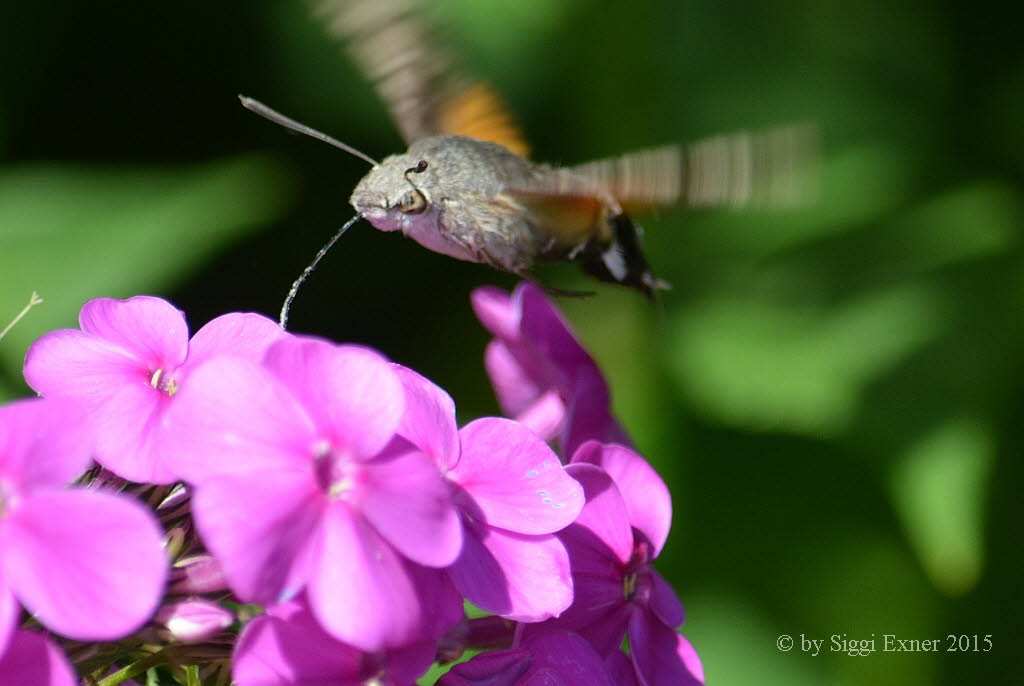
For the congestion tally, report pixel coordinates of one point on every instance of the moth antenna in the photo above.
(294, 290)
(278, 118)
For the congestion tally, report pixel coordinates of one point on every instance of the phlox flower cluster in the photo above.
(279, 509)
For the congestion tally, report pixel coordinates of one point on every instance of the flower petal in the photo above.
(89, 564)
(239, 334)
(621, 669)
(360, 589)
(514, 478)
(662, 656)
(151, 328)
(515, 389)
(272, 651)
(351, 392)
(10, 610)
(128, 434)
(43, 443)
(72, 364)
(33, 659)
(429, 418)
(550, 336)
(404, 496)
(263, 528)
(234, 416)
(523, 578)
(567, 655)
(589, 415)
(664, 602)
(647, 498)
(496, 311)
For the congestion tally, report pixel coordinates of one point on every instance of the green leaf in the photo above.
(938, 488)
(72, 233)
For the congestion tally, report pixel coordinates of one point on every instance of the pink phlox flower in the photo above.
(611, 546)
(541, 374)
(548, 658)
(32, 658)
(512, 495)
(87, 563)
(288, 647)
(126, 364)
(300, 482)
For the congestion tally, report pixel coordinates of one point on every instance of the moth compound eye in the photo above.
(412, 202)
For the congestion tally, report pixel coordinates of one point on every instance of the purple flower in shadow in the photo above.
(546, 658)
(612, 545)
(542, 375)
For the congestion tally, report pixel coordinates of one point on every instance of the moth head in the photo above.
(395, 192)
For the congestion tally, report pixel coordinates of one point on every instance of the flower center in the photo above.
(335, 471)
(164, 382)
(636, 578)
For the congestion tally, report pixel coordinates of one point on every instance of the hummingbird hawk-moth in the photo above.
(467, 188)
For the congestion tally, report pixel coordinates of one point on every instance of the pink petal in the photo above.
(514, 479)
(603, 523)
(664, 602)
(515, 389)
(89, 564)
(350, 391)
(33, 659)
(151, 328)
(128, 434)
(272, 651)
(43, 443)
(239, 334)
(10, 610)
(496, 311)
(403, 495)
(523, 578)
(662, 656)
(429, 418)
(263, 528)
(234, 416)
(72, 364)
(545, 417)
(646, 496)
(360, 589)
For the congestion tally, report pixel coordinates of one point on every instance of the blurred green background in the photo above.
(834, 394)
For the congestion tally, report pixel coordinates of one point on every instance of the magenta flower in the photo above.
(512, 494)
(288, 647)
(541, 374)
(547, 658)
(126, 364)
(301, 483)
(88, 564)
(33, 659)
(612, 545)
